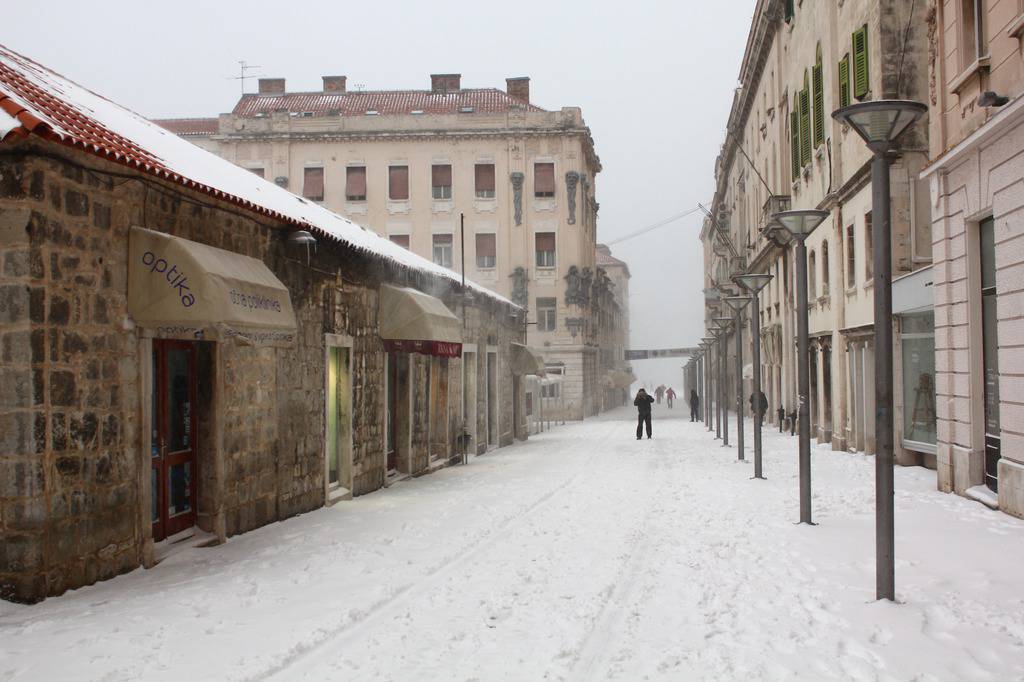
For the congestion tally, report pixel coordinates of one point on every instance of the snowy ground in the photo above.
(582, 554)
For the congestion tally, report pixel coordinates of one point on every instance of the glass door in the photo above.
(173, 449)
(990, 352)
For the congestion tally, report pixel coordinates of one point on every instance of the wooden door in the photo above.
(173, 452)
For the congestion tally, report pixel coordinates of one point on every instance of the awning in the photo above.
(526, 361)
(415, 322)
(184, 289)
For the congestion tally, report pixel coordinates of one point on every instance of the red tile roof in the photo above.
(384, 102)
(188, 126)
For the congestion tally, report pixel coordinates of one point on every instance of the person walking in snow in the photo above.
(670, 395)
(762, 406)
(660, 392)
(643, 407)
(694, 405)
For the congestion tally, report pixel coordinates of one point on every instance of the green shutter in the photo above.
(819, 105)
(789, 10)
(805, 127)
(794, 143)
(860, 63)
(844, 81)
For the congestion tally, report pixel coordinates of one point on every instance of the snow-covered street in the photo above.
(581, 554)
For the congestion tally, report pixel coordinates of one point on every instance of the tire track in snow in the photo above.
(305, 652)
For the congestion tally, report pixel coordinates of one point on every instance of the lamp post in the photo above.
(699, 375)
(753, 283)
(880, 123)
(738, 303)
(799, 224)
(706, 343)
(724, 322)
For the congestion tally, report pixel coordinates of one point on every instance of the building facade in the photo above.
(475, 179)
(613, 323)
(976, 144)
(784, 151)
(178, 362)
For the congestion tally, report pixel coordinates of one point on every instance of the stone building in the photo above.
(616, 376)
(178, 358)
(429, 168)
(976, 145)
(783, 150)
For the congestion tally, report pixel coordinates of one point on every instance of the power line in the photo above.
(660, 223)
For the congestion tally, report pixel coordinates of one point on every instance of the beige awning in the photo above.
(184, 289)
(526, 361)
(415, 322)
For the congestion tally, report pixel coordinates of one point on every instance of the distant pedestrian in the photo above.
(643, 408)
(660, 393)
(670, 395)
(694, 405)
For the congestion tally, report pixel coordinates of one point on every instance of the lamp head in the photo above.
(882, 121)
(753, 282)
(737, 303)
(801, 222)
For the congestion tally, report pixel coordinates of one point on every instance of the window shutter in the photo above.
(844, 81)
(485, 177)
(860, 62)
(794, 143)
(355, 182)
(442, 239)
(805, 127)
(544, 179)
(398, 183)
(401, 239)
(441, 175)
(313, 183)
(545, 241)
(485, 245)
(819, 104)
(258, 171)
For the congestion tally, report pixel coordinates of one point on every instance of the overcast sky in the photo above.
(654, 80)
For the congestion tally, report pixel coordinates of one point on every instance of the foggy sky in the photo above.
(654, 80)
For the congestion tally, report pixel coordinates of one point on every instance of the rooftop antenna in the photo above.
(243, 68)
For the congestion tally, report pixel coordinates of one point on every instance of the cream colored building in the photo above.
(783, 150)
(977, 162)
(432, 167)
(614, 330)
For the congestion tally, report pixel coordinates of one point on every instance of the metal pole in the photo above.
(708, 369)
(700, 386)
(804, 380)
(885, 541)
(716, 388)
(739, 383)
(755, 332)
(724, 371)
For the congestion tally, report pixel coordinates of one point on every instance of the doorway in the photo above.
(990, 353)
(469, 400)
(492, 399)
(391, 409)
(338, 439)
(173, 443)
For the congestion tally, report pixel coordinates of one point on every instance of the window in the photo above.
(484, 173)
(545, 249)
(313, 184)
(805, 123)
(398, 183)
(543, 179)
(851, 258)
(869, 248)
(443, 250)
(812, 276)
(400, 239)
(486, 250)
(860, 63)
(794, 140)
(355, 183)
(258, 171)
(441, 181)
(972, 32)
(818, 92)
(917, 342)
(824, 268)
(844, 81)
(547, 320)
(549, 390)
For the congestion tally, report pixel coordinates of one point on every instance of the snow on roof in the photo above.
(385, 102)
(53, 107)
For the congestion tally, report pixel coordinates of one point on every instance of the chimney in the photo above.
(334, 84)
(518, 88)
(445, 82)
(271, 86)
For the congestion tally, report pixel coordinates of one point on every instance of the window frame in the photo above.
(547, 314)
(355, 197)
(542, 263)
(441, 192)
(476, 249)
(391, 188)
(435, 245)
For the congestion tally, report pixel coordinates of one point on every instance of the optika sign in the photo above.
(175, 278)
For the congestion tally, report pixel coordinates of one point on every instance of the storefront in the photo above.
(914, 395)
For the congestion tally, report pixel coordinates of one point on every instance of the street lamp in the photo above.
(753, 283)
(708, 342)
(799, 224)
(724, 323)
(880, 123)
(738, 303)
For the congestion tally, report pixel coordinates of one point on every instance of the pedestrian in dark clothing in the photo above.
(759, 410)
(643, 407)
(694, 405)
(670, 395)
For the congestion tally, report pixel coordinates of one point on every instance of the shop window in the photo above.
(313, 184)
(546, 315)
(484, 179)
(442, 250)
(486, 251)
(441, 181)
(398, 183)
(917, 339)
(355, 183)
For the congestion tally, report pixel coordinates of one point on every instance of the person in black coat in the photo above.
(643, 406)
(760, 408)
(694, 405)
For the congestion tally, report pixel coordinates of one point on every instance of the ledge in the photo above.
(980, 66)
(1016, 27)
